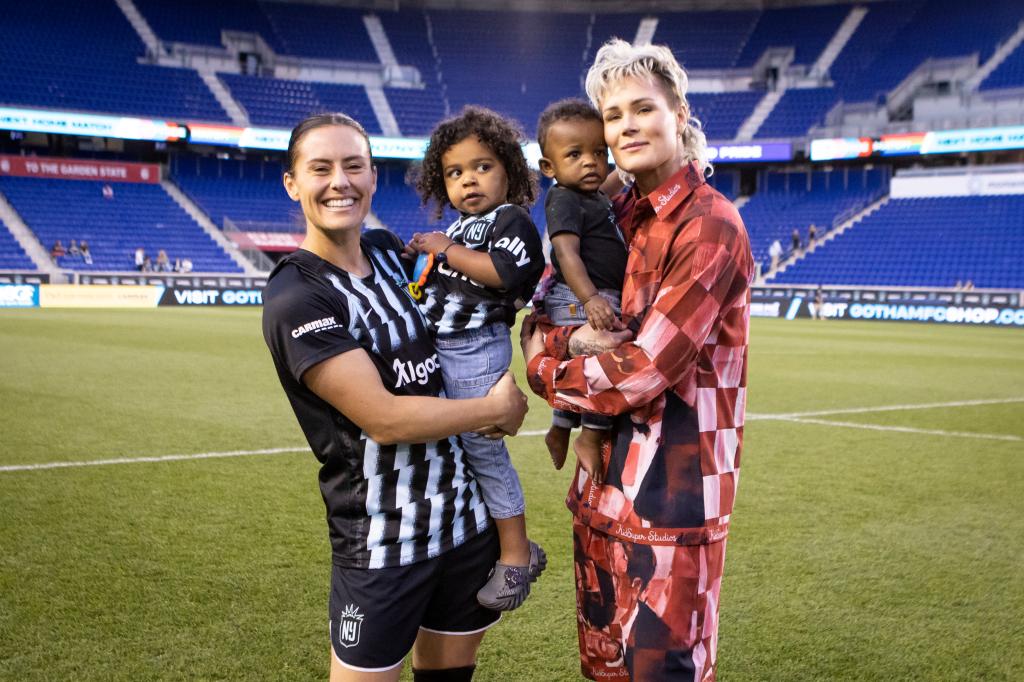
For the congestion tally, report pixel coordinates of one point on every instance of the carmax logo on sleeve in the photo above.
(19, 296)
(314, 326)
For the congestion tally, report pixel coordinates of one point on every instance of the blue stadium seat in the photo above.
(924, 242)
(249, 193)
(52, 59)
(788, 201)
(12, 256)
(137, 215)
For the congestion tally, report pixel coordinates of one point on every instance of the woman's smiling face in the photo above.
(333, 178)
(642, 127)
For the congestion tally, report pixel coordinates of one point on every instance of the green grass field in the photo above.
(866, 545)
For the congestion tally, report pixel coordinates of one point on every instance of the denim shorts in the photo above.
(565, 309)
(472, 362)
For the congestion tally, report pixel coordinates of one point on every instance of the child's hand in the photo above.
(431, 242)
(600, 313)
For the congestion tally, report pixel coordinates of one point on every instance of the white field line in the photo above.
(905, 429)
(884, 408)
(794, 417)
(161, 458)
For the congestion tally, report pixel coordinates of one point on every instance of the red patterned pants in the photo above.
(646, 612)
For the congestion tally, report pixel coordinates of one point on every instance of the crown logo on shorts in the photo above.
(350, 624)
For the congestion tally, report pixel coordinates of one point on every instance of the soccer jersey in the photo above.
(589, 216)
(387, 505)
(680, 388)
(455, 303)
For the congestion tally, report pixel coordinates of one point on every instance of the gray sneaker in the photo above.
(508, 586)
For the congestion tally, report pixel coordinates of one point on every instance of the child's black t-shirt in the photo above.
(589, 216)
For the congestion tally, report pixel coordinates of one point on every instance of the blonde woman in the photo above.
(650, 522)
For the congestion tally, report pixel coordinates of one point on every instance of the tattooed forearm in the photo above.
(580, 347)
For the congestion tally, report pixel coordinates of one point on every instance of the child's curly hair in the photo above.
(500, 134)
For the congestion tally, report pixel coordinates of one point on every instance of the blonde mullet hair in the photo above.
(618, 60)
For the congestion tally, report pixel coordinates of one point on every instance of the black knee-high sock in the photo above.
(444, 675)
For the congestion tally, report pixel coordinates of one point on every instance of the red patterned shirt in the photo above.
(679, 389)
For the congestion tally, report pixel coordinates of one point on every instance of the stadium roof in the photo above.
(601, 6)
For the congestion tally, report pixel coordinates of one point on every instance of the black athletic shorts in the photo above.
(376, 613)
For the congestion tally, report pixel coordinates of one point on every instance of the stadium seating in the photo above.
(788, 201)
(137, 215)
(321, 31)
(283, 103)
(924, 242)
(705, 40)
(726, 181)
(417, 111)
(935, 29)
(53, 59)
(514, 62)
(398, 205)
(249, 193)
(796, 112)
(200, 22)
(307, 30)
(806, 29)
(1009, 74)
(722, 114)
(12, 256)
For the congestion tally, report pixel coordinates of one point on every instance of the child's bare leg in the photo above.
(515, 548)
(557, 440)
(587, 447)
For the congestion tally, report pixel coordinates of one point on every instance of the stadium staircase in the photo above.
(379, 38)
(209, 228)
(27, 239)
(1005, 49)
(839, 40)
(382, 110)
(758, 116)
(141, 26)
(235, 111)
(645, 31)
(827, 237)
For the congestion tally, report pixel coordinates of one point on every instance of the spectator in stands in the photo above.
(796, 241)
(812, 235)
(147, 264)
(492, 260)
(671, 464)
(86, 253)
(775, 252)
(140, 258)
(57, 251)
(73, 249)
(163, 263)
(356, 360)
(108, 191)
(969, 285)
(186, 265)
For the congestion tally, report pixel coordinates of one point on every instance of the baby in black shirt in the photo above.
(588, 253)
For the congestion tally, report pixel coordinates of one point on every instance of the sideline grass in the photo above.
(855, 554)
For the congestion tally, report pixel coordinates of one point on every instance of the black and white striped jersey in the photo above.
(455, 303)
(387, 505)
